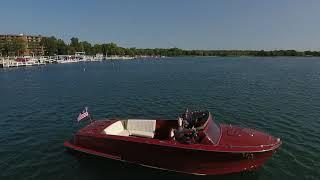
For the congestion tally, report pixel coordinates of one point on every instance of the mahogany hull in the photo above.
(182, 160)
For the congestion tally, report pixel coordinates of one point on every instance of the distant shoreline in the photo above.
(146, 56)
(13, 45)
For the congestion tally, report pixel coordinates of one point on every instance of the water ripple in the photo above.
(280, 96)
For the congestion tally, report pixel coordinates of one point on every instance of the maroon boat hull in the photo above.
(169, 155)
(206, 163)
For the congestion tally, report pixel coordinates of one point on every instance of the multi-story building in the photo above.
(32, 43)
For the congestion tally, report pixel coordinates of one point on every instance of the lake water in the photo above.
(280, 96)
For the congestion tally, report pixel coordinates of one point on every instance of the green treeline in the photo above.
(53, 46)
(57, 46)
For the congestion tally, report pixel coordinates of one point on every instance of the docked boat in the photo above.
(194, 143)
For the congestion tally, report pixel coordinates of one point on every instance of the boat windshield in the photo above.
(213, 131)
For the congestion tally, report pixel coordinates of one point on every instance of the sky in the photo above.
(186, 24)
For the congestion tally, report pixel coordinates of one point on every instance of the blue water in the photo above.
(280, 96)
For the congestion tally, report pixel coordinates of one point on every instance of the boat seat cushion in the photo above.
(139, 127)
(124, 133)
(116, 129)
(142, 133)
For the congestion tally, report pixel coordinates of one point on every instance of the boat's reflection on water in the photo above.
(102, 167)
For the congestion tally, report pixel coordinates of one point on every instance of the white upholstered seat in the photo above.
(134, 127)
(116, 129)
(124, 133)
(141, 127)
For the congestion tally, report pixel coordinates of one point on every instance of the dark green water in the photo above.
(280, 96)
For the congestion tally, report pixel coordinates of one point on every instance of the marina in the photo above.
(14, 62)
(21, 62)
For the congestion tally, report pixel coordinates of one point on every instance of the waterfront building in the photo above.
(31, 43)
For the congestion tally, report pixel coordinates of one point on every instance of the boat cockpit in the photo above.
(191, 128)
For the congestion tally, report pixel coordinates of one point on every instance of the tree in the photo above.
(74, 42)
(71, 50)
(86, 47)
(50, 45)
(76, 45)
(2, 52)
(111, 48)
(62, 48)
(97, 49)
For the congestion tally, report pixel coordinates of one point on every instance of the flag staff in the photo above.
(90, 118)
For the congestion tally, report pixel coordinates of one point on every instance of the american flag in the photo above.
(83, 115)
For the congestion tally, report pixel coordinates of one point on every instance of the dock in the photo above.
(7, 63)
(13, 61)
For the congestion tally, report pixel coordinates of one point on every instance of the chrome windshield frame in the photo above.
(214, 138)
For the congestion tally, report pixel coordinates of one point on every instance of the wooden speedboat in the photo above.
(193, 144)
